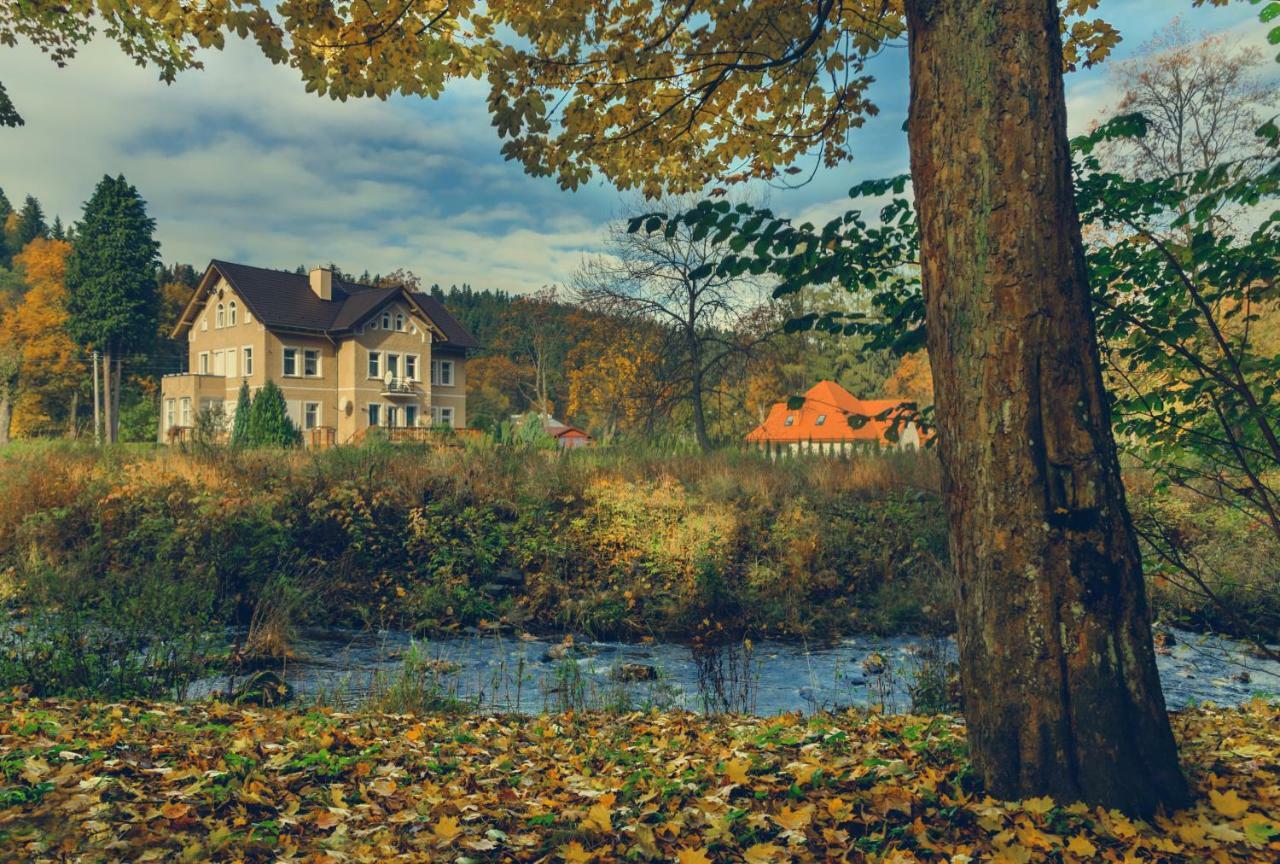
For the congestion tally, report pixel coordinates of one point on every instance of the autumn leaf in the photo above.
(175, 810)
(597, 819)
(575, 853)
(445, 829)
(1228, 803)
(736, 770)
(763, 853)
(692, 856)
(1080, 845)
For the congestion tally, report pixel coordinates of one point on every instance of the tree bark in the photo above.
(6, 416)
(73, 427)
(1061, 691)
(107, 435)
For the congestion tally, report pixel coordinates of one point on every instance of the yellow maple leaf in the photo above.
(763, 853)
(1228, 803)
(576, 853)
(1038, 806)
(597, 819)
(736, 770)
(175, 810)
(1080, 845)
(446, 828)
(794, 820)
(692, 856)
(383, 786)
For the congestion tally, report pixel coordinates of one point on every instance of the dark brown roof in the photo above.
(285, 301)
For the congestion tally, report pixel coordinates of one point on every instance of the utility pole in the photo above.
(97, 416)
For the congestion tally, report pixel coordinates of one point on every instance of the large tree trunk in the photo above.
(1060, 685)
(73, 411)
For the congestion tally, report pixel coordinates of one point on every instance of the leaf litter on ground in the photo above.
(137, 781)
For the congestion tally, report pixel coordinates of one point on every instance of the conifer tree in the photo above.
(31, 224)
(240, 424)
(112, 299)
(269, 424)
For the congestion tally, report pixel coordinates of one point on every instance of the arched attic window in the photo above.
(400, 322)
(231, 314)
(220, 319)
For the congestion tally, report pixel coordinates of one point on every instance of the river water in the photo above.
(503, 672)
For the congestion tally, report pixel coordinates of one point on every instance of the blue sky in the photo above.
(237, 162)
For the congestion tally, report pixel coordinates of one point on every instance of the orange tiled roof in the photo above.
(824, 417)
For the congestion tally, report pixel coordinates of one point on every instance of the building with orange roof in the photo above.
(821, 424)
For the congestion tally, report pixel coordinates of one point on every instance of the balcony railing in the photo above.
(401, 387)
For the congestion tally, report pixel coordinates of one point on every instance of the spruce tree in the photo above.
(57, 232)
(269, 424)
(31, 224)
(240, 424)
(112, 299)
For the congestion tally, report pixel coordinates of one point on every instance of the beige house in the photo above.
(346, 356)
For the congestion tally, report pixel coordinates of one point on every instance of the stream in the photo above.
(502, 672)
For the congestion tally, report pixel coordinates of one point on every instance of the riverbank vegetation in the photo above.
(158, 781)
(122, 569)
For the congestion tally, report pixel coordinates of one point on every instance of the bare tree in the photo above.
(672, 278)
(1203, 99)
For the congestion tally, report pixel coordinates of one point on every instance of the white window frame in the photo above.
(285, 351)
(411, 416)
(392, 365)
(230, 360)
(319, 372)
(170, 413)
(399, 322)
(386, 320)
(416, 367)
(311, 415)
(393, 416)
(202, 363)
(220, 363)
(231, 313)
(185, 413)
(374, 362)
(446, 415)
(246, 361)
(220, 318)
(438, 375)
(371, 409)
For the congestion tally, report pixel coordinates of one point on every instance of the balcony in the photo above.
(401, 387)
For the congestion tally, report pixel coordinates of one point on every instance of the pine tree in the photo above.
(31, 224)
(6, 250)
(57, 232)
(269, 424)
(112, 299)
(240, 424)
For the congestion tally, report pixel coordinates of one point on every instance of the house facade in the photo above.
(346, 356)
(821, 424)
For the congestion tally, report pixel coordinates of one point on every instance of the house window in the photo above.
(822, 418)
(290, 361)
(790, 420)
(231, 363)
(169, 413)
(375, 413)
(375, 365)
(442, 372)
(219, 363)
(311, 362)
(373, 325)
(446, 416)
(411, 415)
(399, 322)
(221, 320)
(231, 314)
(393, 416)
(247, 356)
(411, 367)
(186, 410)
(393, 365)
(204, 363)
(386, 320)
(311, 415)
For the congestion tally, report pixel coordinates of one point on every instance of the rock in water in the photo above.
(635, 672)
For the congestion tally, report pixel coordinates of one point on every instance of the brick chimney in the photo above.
(322, 282)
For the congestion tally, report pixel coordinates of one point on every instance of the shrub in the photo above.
(269, 424)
